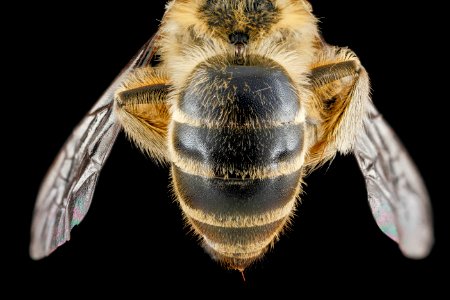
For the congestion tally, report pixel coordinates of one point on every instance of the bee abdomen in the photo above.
(236, 143)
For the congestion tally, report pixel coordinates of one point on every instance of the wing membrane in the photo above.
(397, 195)
(65, 195)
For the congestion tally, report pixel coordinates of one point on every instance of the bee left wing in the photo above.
(396, 192)
(65, 195)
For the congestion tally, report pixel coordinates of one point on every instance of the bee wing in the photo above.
(66, 192)
(397, 195)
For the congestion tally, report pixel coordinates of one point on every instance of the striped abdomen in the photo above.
(236, 139)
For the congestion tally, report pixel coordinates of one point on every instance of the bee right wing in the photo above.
(396, 193)
(66, 192)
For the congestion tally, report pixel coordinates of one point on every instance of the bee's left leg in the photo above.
(340, 97)
(141, 107)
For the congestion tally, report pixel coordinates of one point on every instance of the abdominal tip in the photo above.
(242, 274)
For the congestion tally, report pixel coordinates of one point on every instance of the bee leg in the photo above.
(142, 110)
(341, 94)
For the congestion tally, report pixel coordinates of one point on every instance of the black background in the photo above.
(133, 239)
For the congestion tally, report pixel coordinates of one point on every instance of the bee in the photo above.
(242, 99)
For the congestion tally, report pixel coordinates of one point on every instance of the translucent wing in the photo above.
(66, 193)
(396, 192)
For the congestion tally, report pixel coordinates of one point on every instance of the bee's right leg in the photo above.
(141, 108)
(341, 96)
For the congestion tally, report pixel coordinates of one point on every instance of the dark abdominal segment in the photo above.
(235, 197)
(237, 96)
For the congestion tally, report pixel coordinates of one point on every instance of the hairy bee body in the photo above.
(242, 99)
(236, 140)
